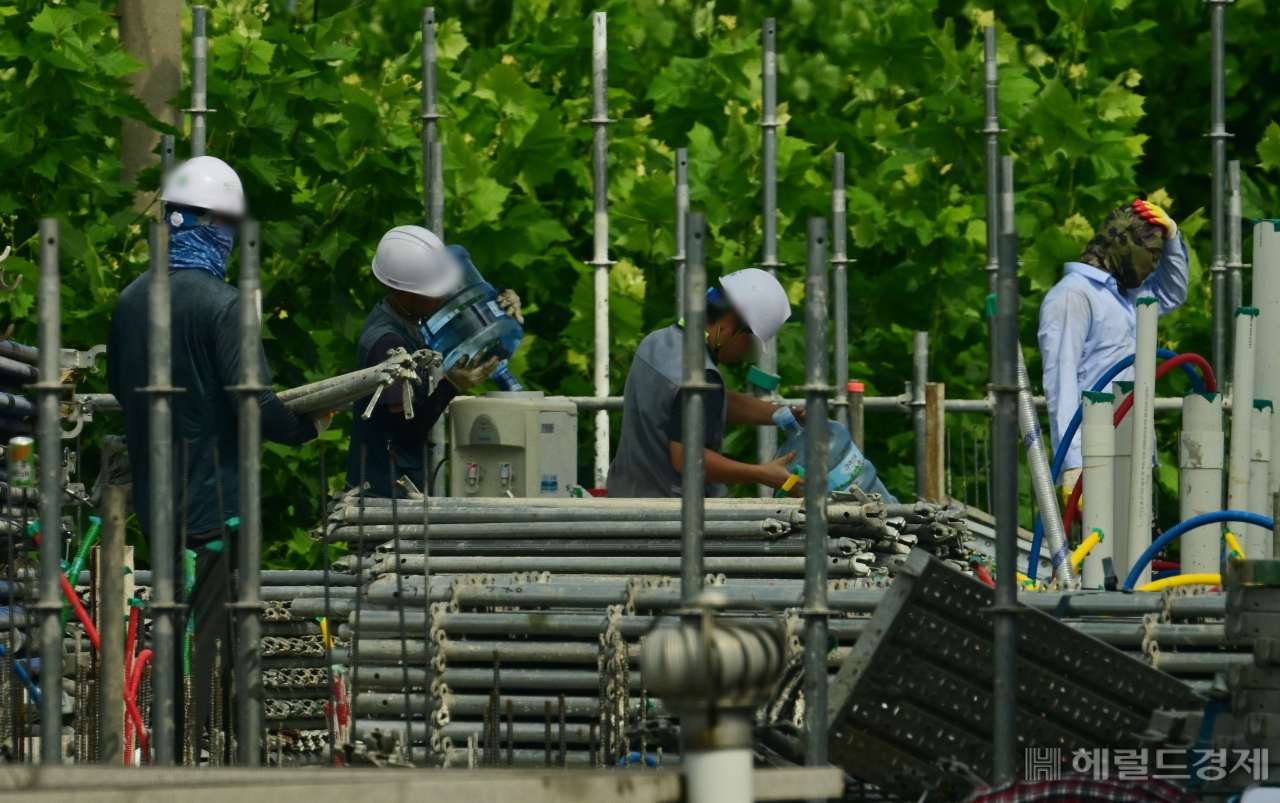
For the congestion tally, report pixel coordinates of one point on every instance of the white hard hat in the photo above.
(759, 300)
(206, 182)
(412, 259)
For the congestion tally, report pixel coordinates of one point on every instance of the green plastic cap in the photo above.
(991, 305)
(1145, 301)
(1097, 397)
(1263, 404)
(1250, 311)
(761, 379)
(1125, 387)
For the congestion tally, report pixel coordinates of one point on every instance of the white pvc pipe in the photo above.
(1258, 546)
(719, 776)
(1241, 408)
(1098, 450)
(1143, 438)
(1266, 298)
(1123, 468)
(1200, 462)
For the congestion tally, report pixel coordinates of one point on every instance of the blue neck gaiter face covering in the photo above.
(201, 248)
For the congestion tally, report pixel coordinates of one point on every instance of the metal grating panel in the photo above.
(911, 707)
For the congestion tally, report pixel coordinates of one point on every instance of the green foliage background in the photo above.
(1103, 100)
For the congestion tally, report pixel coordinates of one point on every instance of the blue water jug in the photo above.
(470, 322)
(842, 455)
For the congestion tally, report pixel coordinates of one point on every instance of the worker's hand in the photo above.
(775, 473)
(509, 303)
(1156, 216)
(322, 423)
(799, 413)
(465, 375)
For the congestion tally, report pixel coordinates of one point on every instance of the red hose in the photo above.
(131, 703)
(1073, 505)
(982, 573)
(74, 599)
(130, 643)
(1165, 565)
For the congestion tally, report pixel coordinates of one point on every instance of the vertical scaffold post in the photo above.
(840, 290)
(600, 221)
(49, 450)
(1004, 448)
(693, 460)
(163, 554)
(433, 217)
(199, 81)
(991, 131)
(248, 617)
(681, 224)
(919, 400)
(816, 389)
(765, 377)
(1235, 264)
(1218, 142)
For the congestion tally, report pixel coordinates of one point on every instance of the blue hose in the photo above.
(1190, 524)
(634, 758)
(22, 675)
(1033, 563)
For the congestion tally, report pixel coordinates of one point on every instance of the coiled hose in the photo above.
(77, 564)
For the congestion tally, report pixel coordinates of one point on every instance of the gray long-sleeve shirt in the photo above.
(206, 363)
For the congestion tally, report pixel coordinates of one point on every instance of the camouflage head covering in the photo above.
(1123, 246)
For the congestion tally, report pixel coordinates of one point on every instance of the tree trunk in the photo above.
(151, 32)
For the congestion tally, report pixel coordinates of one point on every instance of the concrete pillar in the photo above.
(1200, 462)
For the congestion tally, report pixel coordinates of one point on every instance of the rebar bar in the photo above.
(600, 228)
(840, 291)
(693, 391)
(50, 473)
(767, 436)
(199, 80)
(1218, 142)
(547, 744)
(160, 456)
(1004, 380)
(681, 220)
(248, 664)
(563, 743)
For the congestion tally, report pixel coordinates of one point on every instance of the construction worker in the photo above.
(1088, 321)
(422, 273)
(743, 314)
(202, 202)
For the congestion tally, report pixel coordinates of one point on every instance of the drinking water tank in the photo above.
(470, 322)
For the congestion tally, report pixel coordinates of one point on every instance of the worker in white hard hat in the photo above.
(202, 203)
(743, 314)
(421, 272)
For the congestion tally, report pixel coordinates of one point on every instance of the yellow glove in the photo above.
(466, 375)
(1156, 216)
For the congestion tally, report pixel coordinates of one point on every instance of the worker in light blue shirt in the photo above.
(1088, 321)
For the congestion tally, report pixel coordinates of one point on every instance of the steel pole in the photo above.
(991, 130)
(111, 616)
(682, 214)
(433, 217)
(1235, 265)
(840, 290)
(919, 399)
(815, 494)
(1005, 489)
(767, 436)
(49, 454)
(168, 156)
(693, 467)
(248, 618)
(600, 254)
(199, 81)
(160, 458)
(1218, 138)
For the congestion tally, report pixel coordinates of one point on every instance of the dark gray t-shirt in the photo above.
(652, 417)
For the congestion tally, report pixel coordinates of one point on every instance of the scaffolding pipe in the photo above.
(767, 436)
(248, 608)
(840, 291)
(433, 210)
(694, 458)
(815, 497)
(681, 224)
(919, 403)
(168, 157)
(1004, 381)
(991, 131)
(199, 80)
(765, 529)
(1098, 450)
(600, 254)
(111, 631)
(1218, 138)
(1235, 265)
(1142, 452)
(1042, 488)
(160, 458)
(1200, 464)
(1258, 539)
(49, 446)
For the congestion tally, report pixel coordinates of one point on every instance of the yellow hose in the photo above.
(1026, 581)
(1183, 580)
(1096, 537)
(324, 632)
(1234, 544)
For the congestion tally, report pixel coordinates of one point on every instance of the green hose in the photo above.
(189, 570)
(77, 564)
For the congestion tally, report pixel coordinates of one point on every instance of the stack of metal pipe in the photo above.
(331, 394)
(17, 370)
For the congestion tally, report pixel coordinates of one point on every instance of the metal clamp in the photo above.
(600, 120)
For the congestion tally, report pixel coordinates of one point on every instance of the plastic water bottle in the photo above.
(470, 322)
(842, 455)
